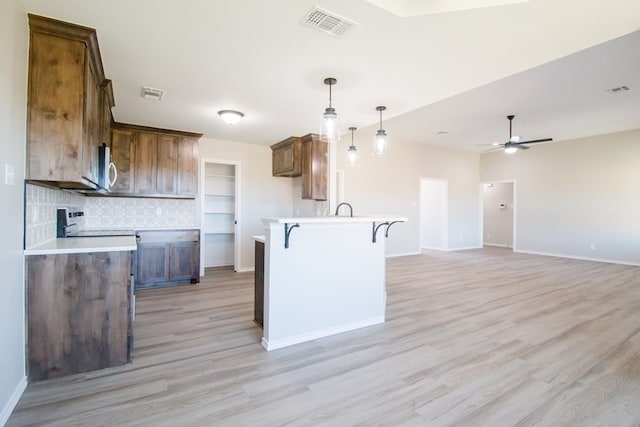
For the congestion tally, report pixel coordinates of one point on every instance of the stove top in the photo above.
(99, 233)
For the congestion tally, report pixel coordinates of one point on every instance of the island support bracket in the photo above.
(376, 228)
(287, 232)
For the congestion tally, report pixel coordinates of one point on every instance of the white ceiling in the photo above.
(549, 62)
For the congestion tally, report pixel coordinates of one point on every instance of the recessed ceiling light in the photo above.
(442, 132)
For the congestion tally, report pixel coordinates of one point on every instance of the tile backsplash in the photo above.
(40, 210)
(102, 212)
(126, 212)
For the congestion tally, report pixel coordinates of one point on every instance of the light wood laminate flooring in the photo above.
(481, 337)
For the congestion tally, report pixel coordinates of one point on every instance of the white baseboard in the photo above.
(402, 254)
(245, 270)
(13, 401)
(610, 261)
(497, 245)
(463, 249)
(431, 248)
(285, 342)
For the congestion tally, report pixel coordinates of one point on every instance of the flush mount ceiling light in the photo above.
(380, 143)
(352, 152)
(329, 131)
(230, 116)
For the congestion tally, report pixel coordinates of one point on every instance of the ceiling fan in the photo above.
(514, 144)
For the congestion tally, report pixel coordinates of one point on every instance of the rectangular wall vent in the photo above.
(618, 89)
(151, 93)
(327, 22)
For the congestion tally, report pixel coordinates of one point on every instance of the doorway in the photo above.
(498, 219)
(433, 213)
(220, 213)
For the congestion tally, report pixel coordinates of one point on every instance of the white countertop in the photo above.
(334, 219)
(78, 245)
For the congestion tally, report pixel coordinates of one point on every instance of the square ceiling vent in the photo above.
(327, 22)
(151, 93)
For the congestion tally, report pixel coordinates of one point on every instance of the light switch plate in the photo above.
(9, 174)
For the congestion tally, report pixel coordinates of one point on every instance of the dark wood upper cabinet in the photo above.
(122, 155)
(314, 167)
(287, 157)
(156, 162)
(63, 113)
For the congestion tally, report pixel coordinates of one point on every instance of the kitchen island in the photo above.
(323, 276)
(79, 305)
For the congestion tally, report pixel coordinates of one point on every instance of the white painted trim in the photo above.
(274, 345)
(463, 249)
(497, 245)
(13, 401)
(237, 238)
(402, 254)
(429, 248)
(245, 270)
(610, 261)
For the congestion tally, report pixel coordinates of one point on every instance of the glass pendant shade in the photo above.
(380, 140)
(329, 130)
(352, 151)
(380, 145)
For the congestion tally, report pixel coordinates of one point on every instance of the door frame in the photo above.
(515, 204)
(237, 250)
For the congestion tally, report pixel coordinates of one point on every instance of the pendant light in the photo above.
(329, 131)
(380, 143)
(352, 152)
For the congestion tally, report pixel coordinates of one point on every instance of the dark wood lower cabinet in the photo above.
(167, 258)
(258, 308)
(79, 312)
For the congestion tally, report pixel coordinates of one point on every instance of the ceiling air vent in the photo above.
(618, 89)
(327, 22)
(151, 93)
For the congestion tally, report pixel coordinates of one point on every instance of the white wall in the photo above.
(13, 104)
(433, 211)
(497, 214)
(573, 194)
(391, 185)
(261, 194)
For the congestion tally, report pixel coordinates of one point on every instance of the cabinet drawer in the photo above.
(161, 236)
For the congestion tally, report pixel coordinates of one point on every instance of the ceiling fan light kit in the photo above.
(514, 144)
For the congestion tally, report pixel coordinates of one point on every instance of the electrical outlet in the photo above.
(9, 174)
(159, 211)
(592, 246)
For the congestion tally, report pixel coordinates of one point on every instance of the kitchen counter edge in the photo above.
(78, 245)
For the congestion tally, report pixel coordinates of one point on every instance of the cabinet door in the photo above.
(122, 155)
(286, 157)
(187, 184)
(78, 309)
(146, 163)
(153, 264)
(314, 168)
(184, 261)
(91, 124)
(167, 164)
(55, 108)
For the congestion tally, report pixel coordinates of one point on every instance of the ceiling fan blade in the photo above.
(533, 141)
